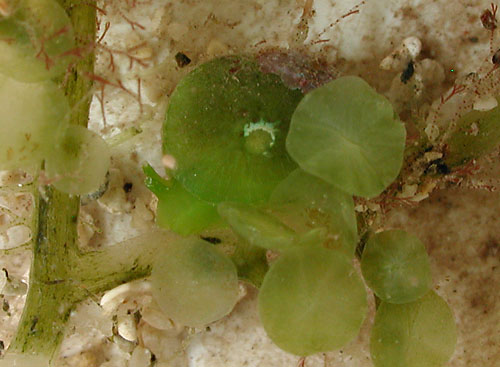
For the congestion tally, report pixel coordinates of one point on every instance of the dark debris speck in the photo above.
(182, 59)
(408, 72)
(212, 240)
(127, 187)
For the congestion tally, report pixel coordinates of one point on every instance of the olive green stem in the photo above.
(51, 297)
(77, 83)
(49, 300)
(61, 276)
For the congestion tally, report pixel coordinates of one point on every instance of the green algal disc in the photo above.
(396, 266)
(194, 283)
(32, 117)
(306, 203)
(79, 161)
(347, 134)
(416, 334)
(312, 301)
(226, 126)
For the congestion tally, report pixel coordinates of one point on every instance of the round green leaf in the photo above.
(417, 334)
(307, 202)
(396, 266)
(346, 133)
(226, 125)
(257, 227)
(32, 117)
(79, 161)
(312, 301)
(194, 283)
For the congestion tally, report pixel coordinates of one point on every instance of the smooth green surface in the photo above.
(257, 227)
(396, 266)
(193, 283)
(79, 161)
(417, 334)
(347, 134)
(219, 120)
(476, 134)
(178, 210)
(37, 38)
(312, 301)
(251, 262)
(306, 202)
(32, 117)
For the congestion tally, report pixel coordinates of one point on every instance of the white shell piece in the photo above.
(152, 315)
(408, 191)
(373, 206)
(474, 129)
(165, 344)
(141, 357)
(23, 360)
(116, 296)
(5, 9)
(407, 51)
(360, 208)
(114, 200)
(485, 103)
(420, 196)
(21, 204)
(387, 63)
(126, 327)
(432, 132)
(87, 327)
(432, 156)
(10, 286)
(15, 236)
(242, 291)
(413, 45)
(3, 280)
